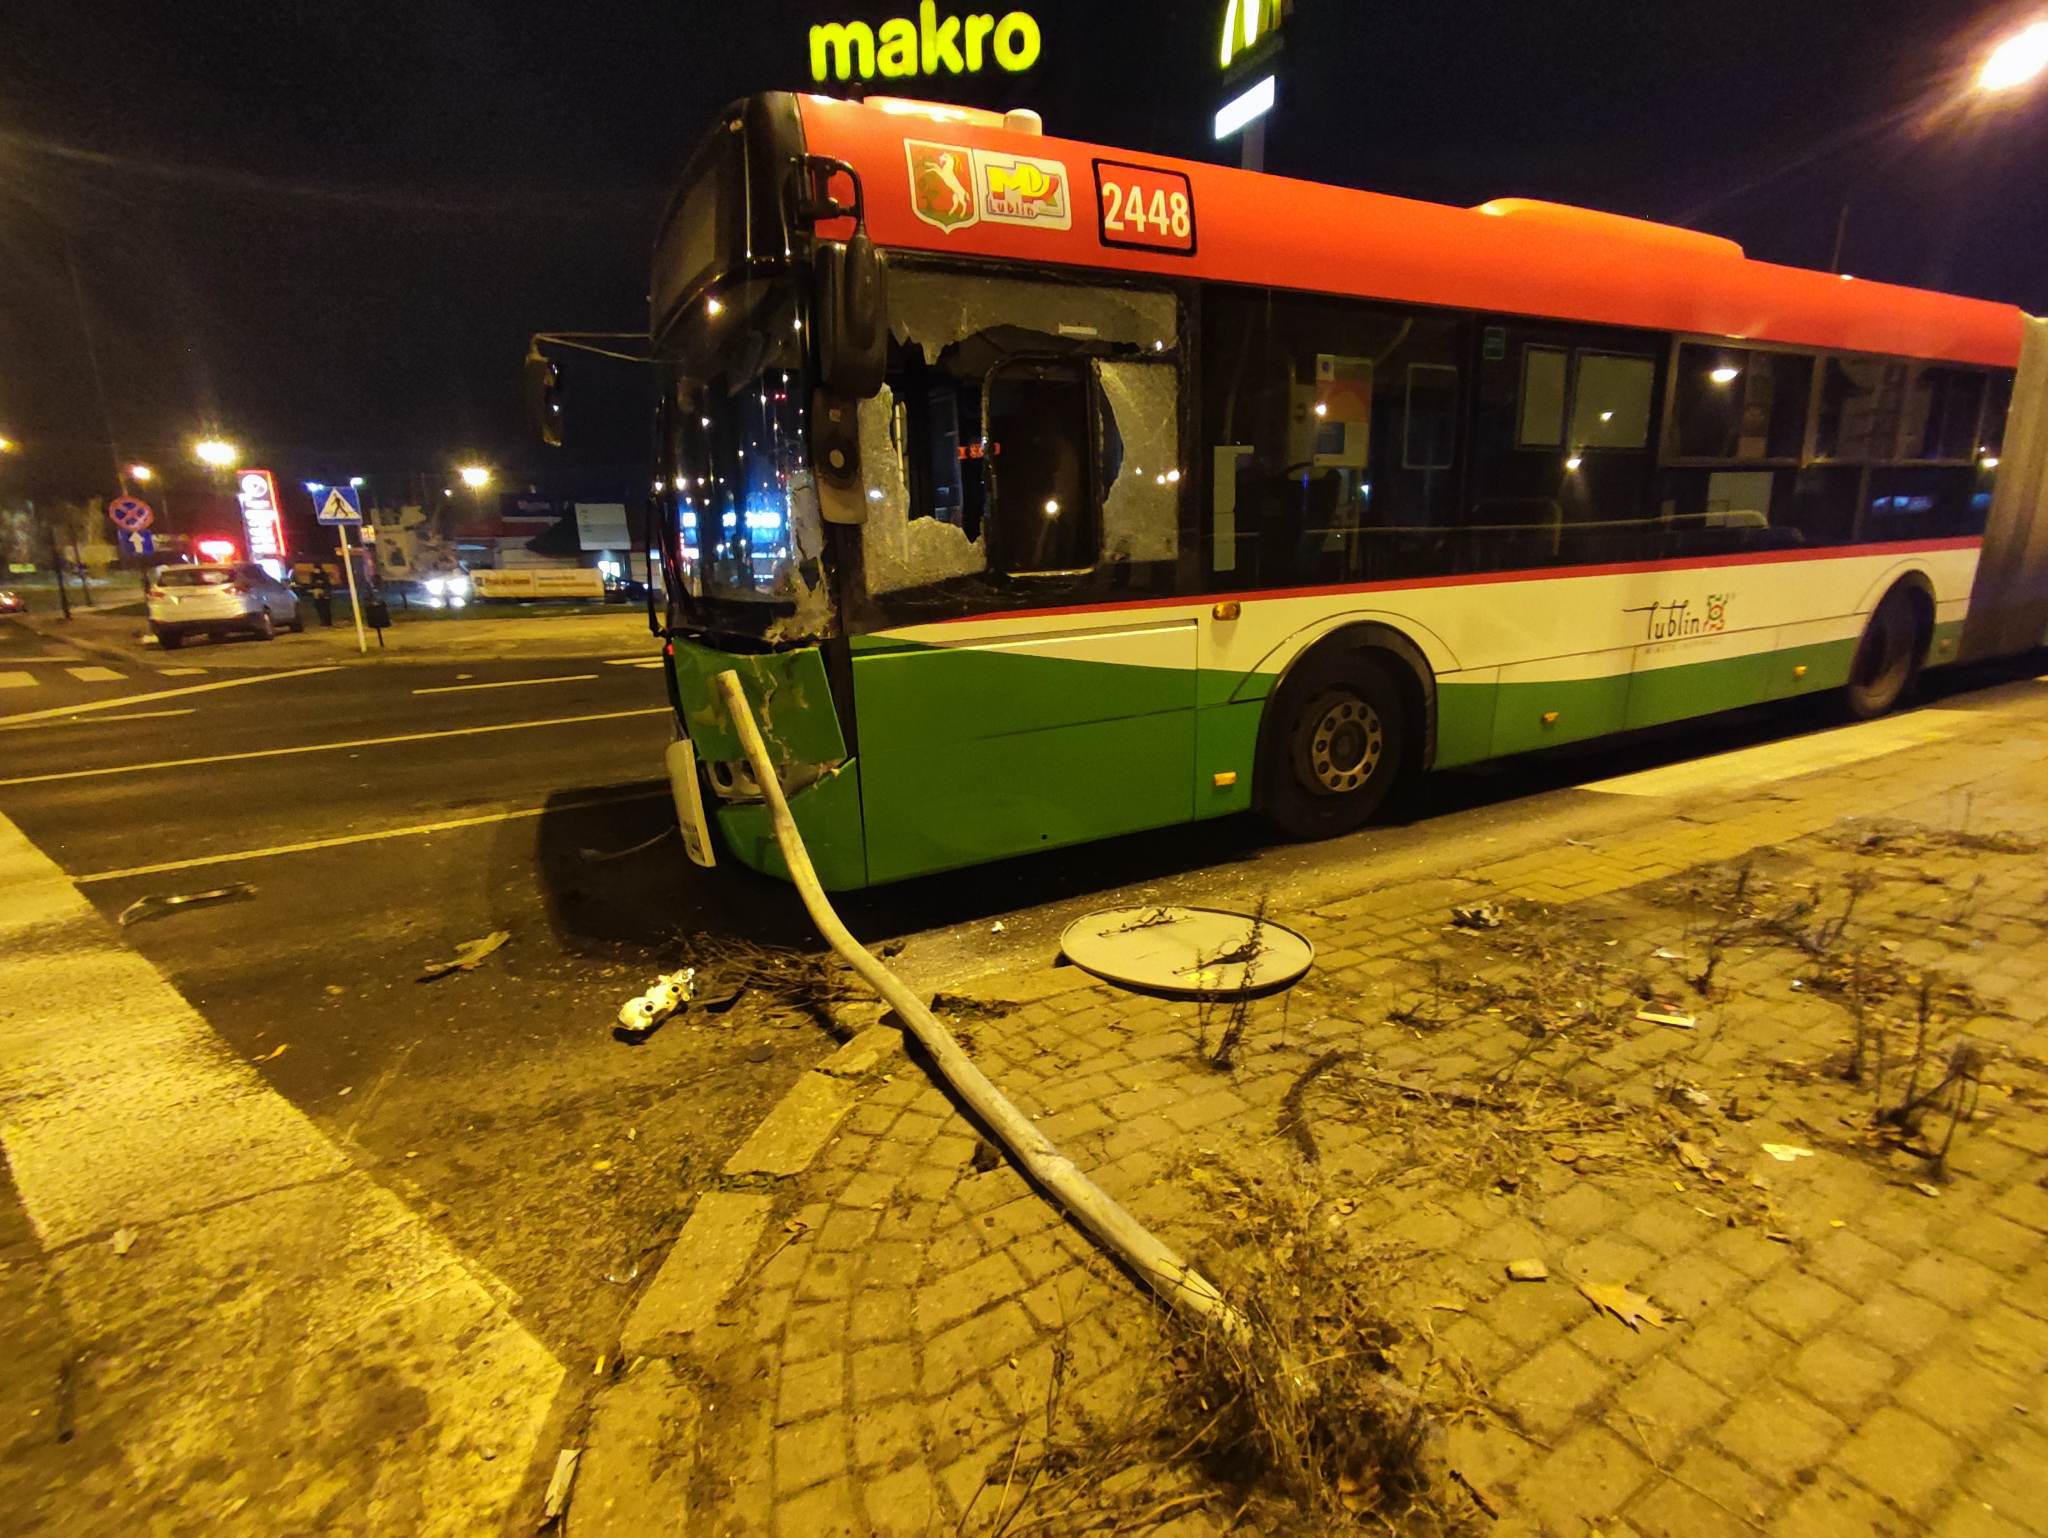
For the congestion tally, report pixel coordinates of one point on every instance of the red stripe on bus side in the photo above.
(1539, 574)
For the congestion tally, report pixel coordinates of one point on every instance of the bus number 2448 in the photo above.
(1145, 206)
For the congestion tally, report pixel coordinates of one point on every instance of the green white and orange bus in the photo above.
(1041, 492)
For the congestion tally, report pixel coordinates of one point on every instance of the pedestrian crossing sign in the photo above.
(343, 505)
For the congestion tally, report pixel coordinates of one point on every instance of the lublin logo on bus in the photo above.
(1675, 620)
(901, 48)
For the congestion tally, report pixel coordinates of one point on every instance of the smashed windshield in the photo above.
(743, 505)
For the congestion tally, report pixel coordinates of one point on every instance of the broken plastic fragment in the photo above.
(1785, 1153)
(468, 956)
(158, 903)
(667, 994)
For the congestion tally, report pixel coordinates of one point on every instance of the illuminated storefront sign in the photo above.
(1245, 22)
(901, 48)
(261, 517)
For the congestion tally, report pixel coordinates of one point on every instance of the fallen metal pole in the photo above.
(1178, 1283)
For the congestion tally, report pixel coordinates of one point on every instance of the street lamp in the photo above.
(8, 445)
(2016, 62)
(215, 452)
(142, 475)
(475, 477)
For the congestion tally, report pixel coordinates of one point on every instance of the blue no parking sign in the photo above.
(130, 514)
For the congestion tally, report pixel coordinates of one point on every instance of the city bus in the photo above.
(1041, 492)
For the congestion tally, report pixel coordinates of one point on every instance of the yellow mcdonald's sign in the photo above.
(1245, 22)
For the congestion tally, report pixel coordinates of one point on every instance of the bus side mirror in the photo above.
(543, 396)
(848, 317)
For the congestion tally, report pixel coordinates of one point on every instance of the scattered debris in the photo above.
(124, 1240)
(957, 1006)
(664, 996)
(760, 1052)
(1478, 916)
(996, 928)
(986, 1157)
(1528, 1271)
(1627, 1306)
(557, 1499)
(1927, 1188)
(1667, 1016)
(596, 856)
(158, 903)
(1294, 1106)
(1662, 954)
(273, 1054)
(1785, 1153)
(468, 956)
(1693, 1158)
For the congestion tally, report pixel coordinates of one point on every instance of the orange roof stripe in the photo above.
(1253, 228)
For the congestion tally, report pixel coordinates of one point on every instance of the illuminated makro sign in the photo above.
(901, 48)
(1246, 22)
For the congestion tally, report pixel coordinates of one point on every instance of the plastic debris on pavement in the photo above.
(468, 956)
(1785, 1153)
(557, 1499)
(1666, 1016)
(156, 904)
(667, 994)
(1479, 916)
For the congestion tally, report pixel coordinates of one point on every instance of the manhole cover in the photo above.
(1187, 950)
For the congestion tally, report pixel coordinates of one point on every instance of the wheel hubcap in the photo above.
(1344, 746)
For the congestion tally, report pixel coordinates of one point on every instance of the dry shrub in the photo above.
(1299, 1425)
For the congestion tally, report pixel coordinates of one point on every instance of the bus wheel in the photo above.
(1888, 656)
(1336, 741)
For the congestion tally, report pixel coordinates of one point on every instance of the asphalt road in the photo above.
(385, 813)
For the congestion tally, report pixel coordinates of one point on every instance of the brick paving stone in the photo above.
(1896, 1321)
(877, 1374)
(1690, 1285)
(1709, 1496)
(810, 1452)
(1665, 1405)
(889, 1436)
(976, 1345)
(1779, 1432)
(804, 1389)
(1842, 1373)
(1796, 1303)
(1902, 1458)
(902, 1504)
(881, 1314)
(1954, 1281)
(1589, 1477)
(1547, 1391)
(1850, 1261)
(828, 1510)
(1835, 1507)
(814, 1329)
(1967, 1517)
(1730, 1349)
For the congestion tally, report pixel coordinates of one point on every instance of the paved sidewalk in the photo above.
(1854, 1335)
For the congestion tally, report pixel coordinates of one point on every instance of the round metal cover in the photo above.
(1194, 951)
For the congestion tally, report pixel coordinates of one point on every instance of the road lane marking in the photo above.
(416, 830)
(92, 673)
(272, 1284)
(180, 672)
(509, 683)
(634, 662)
(120, 700)
(140, 715)
(320, 747)
(17, 680)
(1766, 763)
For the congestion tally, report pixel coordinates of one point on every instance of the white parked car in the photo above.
(215, 600)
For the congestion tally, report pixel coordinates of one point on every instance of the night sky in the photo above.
(328, 229)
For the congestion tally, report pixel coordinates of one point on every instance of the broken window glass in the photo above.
(1006, 398)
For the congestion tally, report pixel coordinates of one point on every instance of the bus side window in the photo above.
(1041, 462)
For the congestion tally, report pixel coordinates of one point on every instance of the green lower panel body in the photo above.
(1532, 715)
(1226, 745)
(827, 815)
(991, 797)
(787, 692)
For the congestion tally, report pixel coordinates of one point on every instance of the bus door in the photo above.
(1023, 466)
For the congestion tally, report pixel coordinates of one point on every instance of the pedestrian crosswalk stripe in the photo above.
(17, 680)
(95, 675)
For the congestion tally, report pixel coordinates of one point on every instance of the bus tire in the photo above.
(1335, 744)
(1888, 657)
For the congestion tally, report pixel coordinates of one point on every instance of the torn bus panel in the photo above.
(936, 310)
(902, 550)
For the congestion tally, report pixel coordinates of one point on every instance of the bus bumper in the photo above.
(828, 817)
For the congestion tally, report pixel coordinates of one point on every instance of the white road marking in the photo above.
(417, 830)
(275, 1296)
(319, 747)
(509, 683)
(1746, 768)
(180, 672)
(93, 674)
(635, 662)
(17, 680)
(120, 700)
(140, 715)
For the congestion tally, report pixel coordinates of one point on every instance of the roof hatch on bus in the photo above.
(1593, 223)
